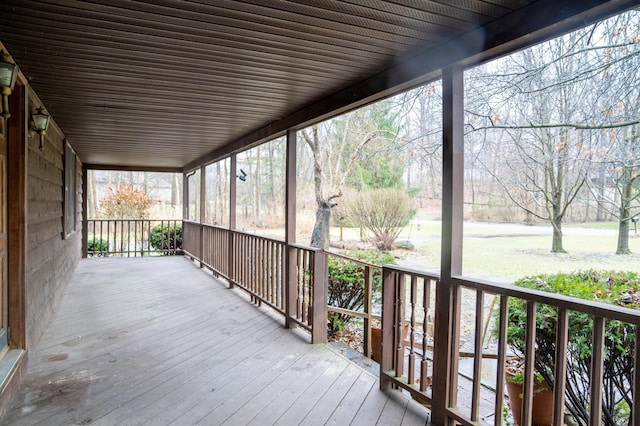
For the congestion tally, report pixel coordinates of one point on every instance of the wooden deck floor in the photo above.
(158, 341)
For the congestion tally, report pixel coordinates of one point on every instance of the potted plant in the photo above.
(542, 394)
(617, 288)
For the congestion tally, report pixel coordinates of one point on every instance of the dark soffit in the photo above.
(167, 83)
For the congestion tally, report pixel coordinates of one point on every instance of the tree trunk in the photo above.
(623, 224)
(320, 235)
(623, 238)
(556, 245)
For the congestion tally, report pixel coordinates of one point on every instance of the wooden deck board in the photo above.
(158, 341)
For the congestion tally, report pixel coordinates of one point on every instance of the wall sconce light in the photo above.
(40, 123)
(8, 76)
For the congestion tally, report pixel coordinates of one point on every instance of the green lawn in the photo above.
(596, 225)
(512, 252)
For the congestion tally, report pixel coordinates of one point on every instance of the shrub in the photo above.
(167, 238)
(617, 288)
(126, 202)
(384, 212)
(346, 283)
(97, 247)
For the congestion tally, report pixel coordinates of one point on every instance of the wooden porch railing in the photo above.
(407, 297)
(132, 237)
(291, 279)
(367, 314)
(407, 300)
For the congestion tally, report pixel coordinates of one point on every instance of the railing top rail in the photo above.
(303, 247)
(414, 271)
(210, 225)
(235, 231)
(599, 309)
(262, 237)
(351, 259)
(130, 220)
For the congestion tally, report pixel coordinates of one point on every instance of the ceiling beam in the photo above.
(133, 168)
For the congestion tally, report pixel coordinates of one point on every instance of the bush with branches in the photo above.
(167, 238)
(383, 212)
(97, 247)
(126, 202)
(346, 283)
(618, 288)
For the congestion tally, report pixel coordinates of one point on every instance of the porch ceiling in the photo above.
(167, 83)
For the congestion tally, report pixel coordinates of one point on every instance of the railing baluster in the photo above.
(115, 237)
(105, 234)
(301, 278)
(368, 279)
(135, 231)
(424, 362)
(399, 325)
(597, 367)
(530, 353)
(412, 328)
(560, 373)
(502, 350)
(635, 413)
(477, 356)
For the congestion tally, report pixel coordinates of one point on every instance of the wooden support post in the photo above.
(291, 278)
(185, 196)
(203, 210)
(447, 311)
(232, 218)
(85, 205)
(17, 161)
(320, 289)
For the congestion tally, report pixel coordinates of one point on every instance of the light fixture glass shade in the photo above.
(40, 120)
(8, 76)
(8, 72)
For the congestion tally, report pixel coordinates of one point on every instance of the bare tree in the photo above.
(543, 99)
(336, 146)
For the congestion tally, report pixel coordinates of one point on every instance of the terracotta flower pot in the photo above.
(376, 342)
(542, 402)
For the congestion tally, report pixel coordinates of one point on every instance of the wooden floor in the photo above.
(158, 341)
